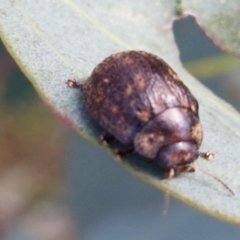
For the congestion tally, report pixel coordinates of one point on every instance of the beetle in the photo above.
(138, 99)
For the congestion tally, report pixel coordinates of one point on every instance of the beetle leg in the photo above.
(191, 168)
(106, 139)
(206, 155)
(183, 169)
(72, 83)
(124, 153)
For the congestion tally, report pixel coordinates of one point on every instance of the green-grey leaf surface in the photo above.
(220, 20)
(53, 41)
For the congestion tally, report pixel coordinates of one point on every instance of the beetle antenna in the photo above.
(171, 174)
(216, 178)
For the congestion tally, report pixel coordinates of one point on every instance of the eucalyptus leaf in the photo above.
(53, 41)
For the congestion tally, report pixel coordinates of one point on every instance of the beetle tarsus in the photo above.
(125, 153)
(206, 155)
(72, 83)
(107, 139)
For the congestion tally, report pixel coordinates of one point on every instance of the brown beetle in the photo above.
(139, 100)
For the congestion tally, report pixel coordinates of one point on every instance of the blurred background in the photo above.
(56, 185)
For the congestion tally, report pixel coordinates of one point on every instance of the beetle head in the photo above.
(177, 154)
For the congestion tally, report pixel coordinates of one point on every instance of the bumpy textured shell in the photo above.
(129, 89)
